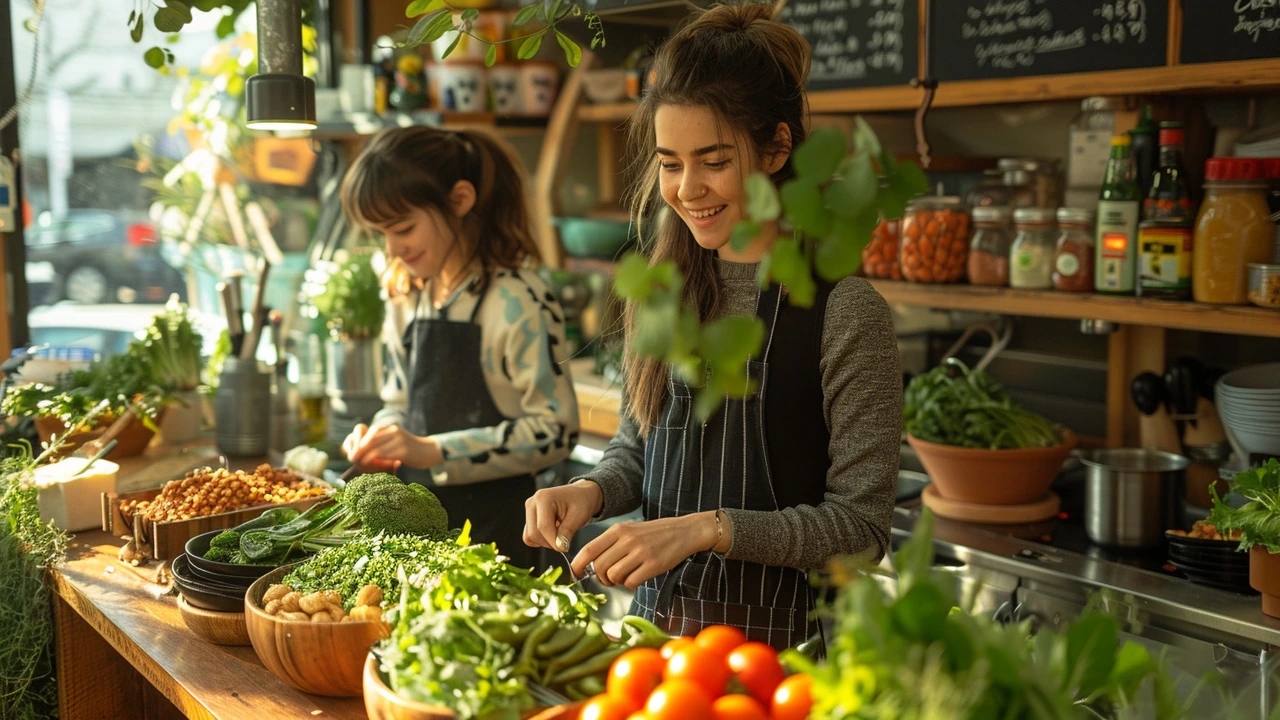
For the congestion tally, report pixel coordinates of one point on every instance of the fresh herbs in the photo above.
(953, 405)
(352, 299)
(170, 347)
(28, 548)
(919, 656)
(474, 637)
(371, 560)
(1258, 520)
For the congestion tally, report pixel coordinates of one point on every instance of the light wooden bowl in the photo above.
(317, 658)
(219, 628)
(381, 703)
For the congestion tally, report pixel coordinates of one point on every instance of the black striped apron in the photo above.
(725, 463)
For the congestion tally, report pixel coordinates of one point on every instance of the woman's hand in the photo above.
(630, 553)
(391, 445)
(552, 516)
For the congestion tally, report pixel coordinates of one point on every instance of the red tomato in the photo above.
(737, 707)
(673, 645)
(678, 700)
(607, 707)
(720, 639)
(756, 667)
(635, 675)
(793, 699)
(701, 666)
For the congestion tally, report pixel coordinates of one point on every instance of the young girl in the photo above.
(480, 398)
(737, 509)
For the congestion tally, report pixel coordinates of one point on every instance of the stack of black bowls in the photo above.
(213, 585)
(1211, 562)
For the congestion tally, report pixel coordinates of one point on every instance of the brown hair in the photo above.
(750, 71)
(403, 169)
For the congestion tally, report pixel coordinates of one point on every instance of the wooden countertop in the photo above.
(599, 401)
(141, 622)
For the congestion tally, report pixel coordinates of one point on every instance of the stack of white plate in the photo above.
(1249, 403)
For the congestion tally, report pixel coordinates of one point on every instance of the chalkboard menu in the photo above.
(987, 39)
(858, 43)
(1221, 30)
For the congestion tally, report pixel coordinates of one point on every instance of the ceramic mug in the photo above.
(504, 84)
(464, 88)
(539, 83)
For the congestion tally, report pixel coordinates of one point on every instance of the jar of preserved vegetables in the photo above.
(989, 250)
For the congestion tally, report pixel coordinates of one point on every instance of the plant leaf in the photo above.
(418, 7)
(865, 141)
(526, 15)
(731, 341)
(904, 182)
(425, 25)
(840, 251)
(491, 56)
(1091, 653)
(763, 204)
(530, 47)
(440, 25)
(181, 8)
(804, 206)
(154, 57)
(855, 190)
(452, 46)
(631, 278)
(470, 14)
(168, 20)
(743, 234)
(818, 157)
(135, 33)
(572, 53)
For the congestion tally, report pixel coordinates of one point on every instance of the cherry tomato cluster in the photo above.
(717, 675)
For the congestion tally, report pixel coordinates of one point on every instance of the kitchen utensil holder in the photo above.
(242, 408)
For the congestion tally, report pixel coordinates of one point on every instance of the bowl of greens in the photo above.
(978, 445)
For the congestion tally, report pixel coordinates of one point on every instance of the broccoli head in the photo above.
(221, 554)
(229, 539)
(402, 508)
(356, 489)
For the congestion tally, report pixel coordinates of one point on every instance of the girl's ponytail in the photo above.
(500, 219)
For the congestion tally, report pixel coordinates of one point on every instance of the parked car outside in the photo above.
(93, 257)
(106, 329)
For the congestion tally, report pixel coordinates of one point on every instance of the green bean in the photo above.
(562, 640)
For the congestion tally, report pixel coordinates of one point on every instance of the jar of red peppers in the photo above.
(989, 251)
(935, 240)
(880, 256)
(1073, 263)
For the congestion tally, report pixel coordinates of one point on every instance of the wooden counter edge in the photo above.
(68, 598)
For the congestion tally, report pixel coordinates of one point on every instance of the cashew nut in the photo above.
(291, 602)
(275, 592)
(369, 595)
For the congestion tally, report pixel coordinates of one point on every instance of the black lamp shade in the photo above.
(281, 102)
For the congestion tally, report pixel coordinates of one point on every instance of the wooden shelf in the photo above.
(1258, 75)
(1235, 320)
(366, 127)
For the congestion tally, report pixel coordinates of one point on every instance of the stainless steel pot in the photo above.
(1132, 496)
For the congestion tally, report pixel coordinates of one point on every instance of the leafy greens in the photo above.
(953, 405)
(1258, 520)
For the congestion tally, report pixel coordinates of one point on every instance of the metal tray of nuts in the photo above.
(206, 499)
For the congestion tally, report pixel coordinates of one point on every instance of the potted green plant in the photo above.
(1258, 521)
(352, 307)
(171, 346)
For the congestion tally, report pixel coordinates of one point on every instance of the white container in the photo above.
(355, 88)
(74, 503)
(504, 85)
(539, 83)
(463, 87)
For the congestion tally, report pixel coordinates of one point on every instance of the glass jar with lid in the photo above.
(991, 191)
(1017, 182)
(1034, 247)
(989, 250)
(1232, 230)
(1088, 146)
(935, 240)
(1073, 258)
(880, 258)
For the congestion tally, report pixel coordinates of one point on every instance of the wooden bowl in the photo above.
(992, 477)
(219, 628)
(318, 658)
(381, 703)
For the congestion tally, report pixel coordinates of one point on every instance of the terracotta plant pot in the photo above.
(381, 703)
(1264, 576)
(318, 658)
(992, 477)
(131, 441)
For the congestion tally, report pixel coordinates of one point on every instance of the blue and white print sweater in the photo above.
(525, 361)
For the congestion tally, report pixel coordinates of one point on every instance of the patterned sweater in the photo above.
(524, 358)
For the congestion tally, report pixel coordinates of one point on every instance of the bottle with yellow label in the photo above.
(1164, 259)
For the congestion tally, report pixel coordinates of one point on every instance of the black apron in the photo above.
(727, 463)
(447, 392)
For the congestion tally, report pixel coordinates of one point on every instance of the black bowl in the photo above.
(1210, 558)
(1186, 541)
(217, 597)
(236, 574)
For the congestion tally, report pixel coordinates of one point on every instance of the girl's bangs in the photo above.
(380, 195)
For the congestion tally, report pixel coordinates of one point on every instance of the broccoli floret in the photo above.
(403, 509)
(229, 539)
(359, 486)
(221, 554)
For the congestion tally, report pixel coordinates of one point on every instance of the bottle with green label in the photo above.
(1119, 210)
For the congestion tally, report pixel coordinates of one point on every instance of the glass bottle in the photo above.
(1073, 261)
(1017, 182)
(989, 250)
(1169, 198)
(1165, 239)
(1032, 255)
(1143, 140)
(1119, 208)
(1233, 230)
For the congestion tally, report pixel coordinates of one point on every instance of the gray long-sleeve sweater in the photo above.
(862, 387)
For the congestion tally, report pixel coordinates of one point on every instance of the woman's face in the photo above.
(422, 240)
(701, 172)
